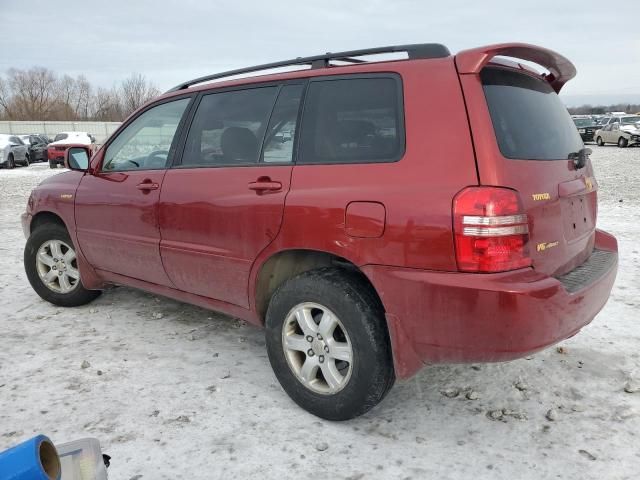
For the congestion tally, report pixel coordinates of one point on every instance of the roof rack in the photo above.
(414, 51)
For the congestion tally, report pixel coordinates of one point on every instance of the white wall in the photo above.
(100, 130)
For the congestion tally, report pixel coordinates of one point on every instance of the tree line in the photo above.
(39, 94)
(602, 109)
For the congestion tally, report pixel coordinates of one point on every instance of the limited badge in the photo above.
(541, 247)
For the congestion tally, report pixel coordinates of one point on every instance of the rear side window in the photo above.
(355, 120)
(228, 128)
(529, 120)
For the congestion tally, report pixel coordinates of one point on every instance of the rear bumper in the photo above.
(437, 317)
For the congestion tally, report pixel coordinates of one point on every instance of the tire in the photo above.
(623, 142)
(53, 164)
(51, 233)
(26, 160)
(600, 142)
(361, 330)
(11, 163)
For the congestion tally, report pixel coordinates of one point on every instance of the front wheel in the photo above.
(52, 267)
(53, 164)
(328, 343)
(622, 142)
(27, 160)
(11, 163)
(599, 141)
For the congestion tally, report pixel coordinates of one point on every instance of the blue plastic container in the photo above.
(35, 459)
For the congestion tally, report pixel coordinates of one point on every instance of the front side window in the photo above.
(355, 120)
(145, 143)
(529, 119)
(228, 128)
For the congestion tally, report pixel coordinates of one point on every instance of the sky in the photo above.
(173, 41)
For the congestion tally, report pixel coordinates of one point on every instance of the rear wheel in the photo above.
(599, 141)
(52, 164)
(328, 343)
(27, 161)
(622, 142)
(52, 267)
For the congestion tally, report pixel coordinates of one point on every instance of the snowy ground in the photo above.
(178, 392)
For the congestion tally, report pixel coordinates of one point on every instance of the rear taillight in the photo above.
(491, 230)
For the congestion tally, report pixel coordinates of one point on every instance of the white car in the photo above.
(13, 151)
(623, 130)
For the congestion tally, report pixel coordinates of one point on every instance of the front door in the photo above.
(117, 206)
(224, 203)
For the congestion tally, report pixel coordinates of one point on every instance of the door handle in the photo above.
(147, 185)
(264, 184)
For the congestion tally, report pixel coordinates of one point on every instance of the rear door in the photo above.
(223, 204)
(524, 137)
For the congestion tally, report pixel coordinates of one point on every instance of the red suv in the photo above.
(372, 216)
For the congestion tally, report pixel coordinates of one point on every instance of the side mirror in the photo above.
(77, 158)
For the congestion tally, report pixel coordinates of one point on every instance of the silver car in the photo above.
(13, 151)
(623, 130)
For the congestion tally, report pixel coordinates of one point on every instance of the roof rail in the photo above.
(414, 51)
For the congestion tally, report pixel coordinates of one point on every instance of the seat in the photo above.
(239, 145)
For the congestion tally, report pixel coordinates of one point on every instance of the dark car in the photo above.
(586, 128)
(37, 147)
(374, 217)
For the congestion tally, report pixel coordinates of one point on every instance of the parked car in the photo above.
(13, 151)
(586, 128)
(37, 147)
(623, 130)
(62, 141)
(379, 236)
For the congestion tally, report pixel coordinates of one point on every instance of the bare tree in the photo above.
(135, 91)
(39, 94)
(34, 93)
(105, 105)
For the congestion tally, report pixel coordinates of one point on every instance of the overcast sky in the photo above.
(172, 41)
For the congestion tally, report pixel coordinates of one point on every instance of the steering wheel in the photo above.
(157, 153)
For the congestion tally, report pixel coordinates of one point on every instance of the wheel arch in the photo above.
(44, 217)
(286, 264)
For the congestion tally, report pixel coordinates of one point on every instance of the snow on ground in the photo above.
(178, 392)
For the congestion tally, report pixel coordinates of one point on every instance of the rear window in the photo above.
(529, 120)
(60, 136)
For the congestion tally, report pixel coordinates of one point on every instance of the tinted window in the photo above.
(228, 127)
(60, 136)
(145, 143)
(353, 120)
(529, 120)
(278, 142)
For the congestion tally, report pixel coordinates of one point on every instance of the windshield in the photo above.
(630, 120)
(529, 120)
(582, 122)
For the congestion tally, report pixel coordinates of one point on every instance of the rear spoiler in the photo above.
(560, 68)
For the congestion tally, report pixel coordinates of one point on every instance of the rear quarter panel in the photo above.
(416, 191)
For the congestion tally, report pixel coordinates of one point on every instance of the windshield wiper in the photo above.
(580, 157)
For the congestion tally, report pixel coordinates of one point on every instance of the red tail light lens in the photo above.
(491, 230)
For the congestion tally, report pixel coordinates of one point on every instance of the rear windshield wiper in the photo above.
(580, 157)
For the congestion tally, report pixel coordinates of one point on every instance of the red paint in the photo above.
(202, 235)
(365, 219)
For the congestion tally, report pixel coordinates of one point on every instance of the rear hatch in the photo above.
(524, 140)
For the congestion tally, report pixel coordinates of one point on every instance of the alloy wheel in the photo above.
(317, 348)
(57, 266)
